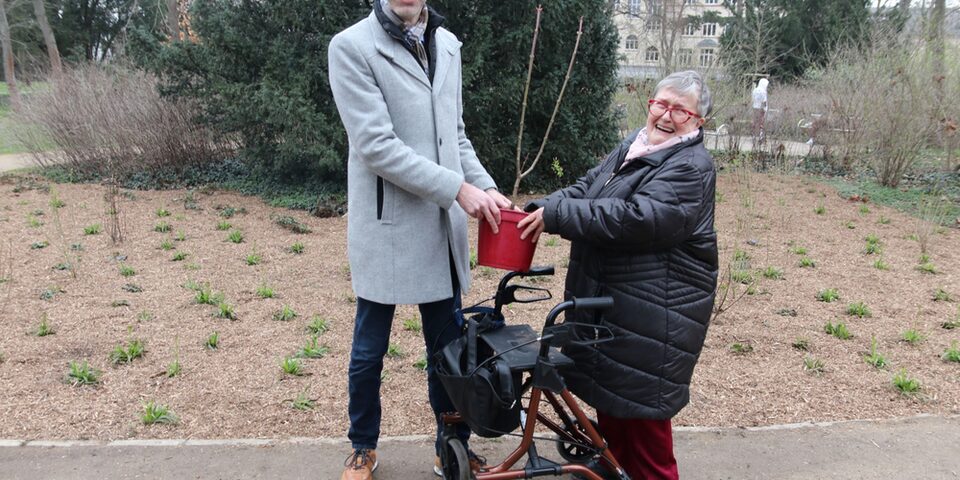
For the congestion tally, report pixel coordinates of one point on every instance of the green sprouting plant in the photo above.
(265, 291)
(864, 210)
(82, 374)
(951, 354)
(127, 270)
(872, 249)
(473, 260)
(883, 220)
(421, 363)
(813, 365)
(192, 266)
(941, 295)
(133, 350)
(740, 255)
(44, 328)
(798, 250)
(318, 325)
(174, 368)
(226, 211)
(312, 350)
(773, 273)
(872, 239)
(156, 413)
(235, 236)
(120, 303)
(131, 288)
(879, 264)
(62, 266)
(807, 262)
(285, 314)
(179, 256)
(213, 341)
(839, 330)
(787, 312)
(161, 227)
(180, 236)
(412, 324)
(166, 245)
(203, 295)
(904, 383)
(924, 258)
(828, 295)
(297, 248)
(50, 292)
(820, 209)
(302, 402)
(145, 316)
(34, 222)
(741, 276)
(76, 247)
(224, 225)
(253, 258)
(875, 358)
(850, 225)
(741, 348)
(858, 309)
(291, 366)
(350, 298)
(289, 223)
(162, 212)
(39, 245)
(912, 336)
(56, 202)
(551, 242)
(225, 310)
(94, 229)
(801, 344)
(927, 268)
(394, 351)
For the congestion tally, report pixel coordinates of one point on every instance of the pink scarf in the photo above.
(641, 148)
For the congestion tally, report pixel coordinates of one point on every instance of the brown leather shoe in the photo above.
(360, 465)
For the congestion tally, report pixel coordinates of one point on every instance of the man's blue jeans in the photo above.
(371, 338)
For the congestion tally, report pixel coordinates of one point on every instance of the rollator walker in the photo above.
(505, 377)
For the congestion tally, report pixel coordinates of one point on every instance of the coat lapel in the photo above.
(395, 53)
(445, 52)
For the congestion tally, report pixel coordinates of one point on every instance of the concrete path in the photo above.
(15, 161)
(916, 448)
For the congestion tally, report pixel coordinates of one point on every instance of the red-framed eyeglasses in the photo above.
(679, 115)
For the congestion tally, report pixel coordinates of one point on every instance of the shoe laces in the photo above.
(358, 459)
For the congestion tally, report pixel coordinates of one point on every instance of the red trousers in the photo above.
(644, 448)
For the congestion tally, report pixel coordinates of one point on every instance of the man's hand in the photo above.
(502, 201)
(480, 205)
(532, 225)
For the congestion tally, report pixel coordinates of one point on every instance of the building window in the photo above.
(690, 29)
(632, 42)
(635, 8)
(689, 2)
(653, 24)
(706, 57)
(709, 29)
(685, 57)
(712, 2)
(652, 55)
(654, 7)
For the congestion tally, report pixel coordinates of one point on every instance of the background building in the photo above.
(659, 36)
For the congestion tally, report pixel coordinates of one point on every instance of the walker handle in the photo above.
(592, 303)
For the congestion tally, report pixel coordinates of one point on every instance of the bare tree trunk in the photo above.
(935, 37)
(173, 19)
(56, 66)
(8, 67)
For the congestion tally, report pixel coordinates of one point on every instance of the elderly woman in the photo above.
(641, 226)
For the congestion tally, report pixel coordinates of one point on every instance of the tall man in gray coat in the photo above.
(412, 179)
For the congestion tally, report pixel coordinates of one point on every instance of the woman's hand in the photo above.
(499, 199)
(532, 225)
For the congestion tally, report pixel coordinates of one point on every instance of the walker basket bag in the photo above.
(480, 385)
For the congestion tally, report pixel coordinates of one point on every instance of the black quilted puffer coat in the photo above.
(642, 234)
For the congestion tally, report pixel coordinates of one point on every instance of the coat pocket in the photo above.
(385, 201)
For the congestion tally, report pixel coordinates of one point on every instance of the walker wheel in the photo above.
(454, 461)
(576, 452)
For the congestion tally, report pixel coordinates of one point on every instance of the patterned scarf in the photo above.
(641, 146)
(413, 33)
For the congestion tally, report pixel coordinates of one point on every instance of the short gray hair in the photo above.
(688, 82)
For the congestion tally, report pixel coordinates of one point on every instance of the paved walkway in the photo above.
(14, 161)
(914, 448)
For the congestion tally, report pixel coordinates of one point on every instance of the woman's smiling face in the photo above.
(661, 128)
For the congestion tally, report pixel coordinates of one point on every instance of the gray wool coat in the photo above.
(408, 157)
